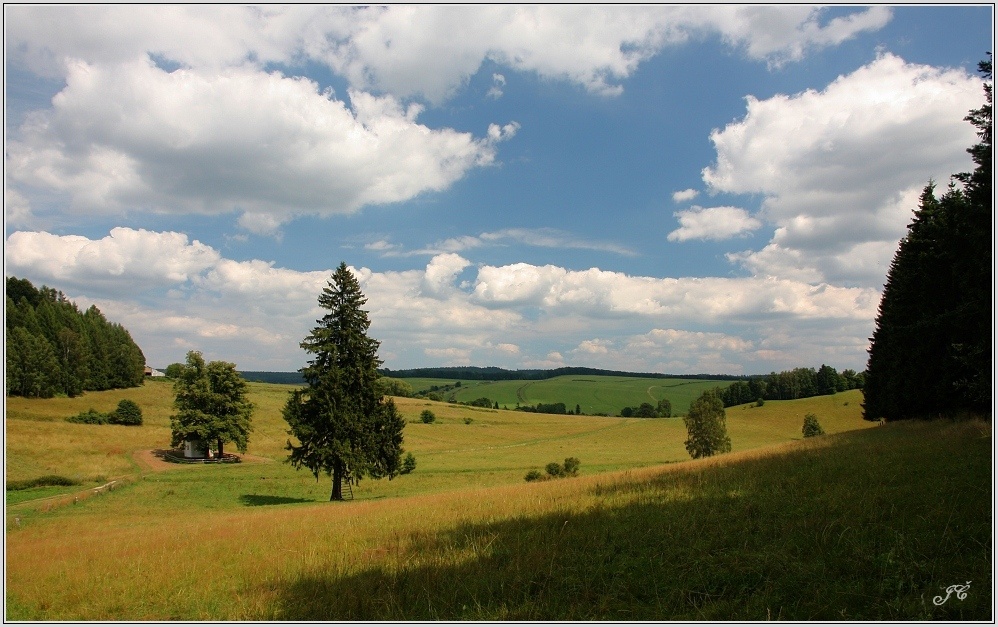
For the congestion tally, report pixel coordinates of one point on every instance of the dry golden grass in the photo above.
(265, 563)
(185, 544)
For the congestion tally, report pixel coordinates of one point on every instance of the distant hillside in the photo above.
(292, 378)
(492, 373)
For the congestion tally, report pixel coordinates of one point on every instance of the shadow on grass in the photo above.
(267, 499)
(802, 538)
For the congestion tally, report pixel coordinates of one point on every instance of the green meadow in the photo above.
(865, 523)
(594, 394)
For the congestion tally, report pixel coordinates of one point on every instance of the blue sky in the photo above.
(682, 189)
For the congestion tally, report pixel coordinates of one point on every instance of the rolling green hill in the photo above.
(595, 394)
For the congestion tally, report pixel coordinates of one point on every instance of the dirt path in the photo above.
(147, 460)
(153, 460)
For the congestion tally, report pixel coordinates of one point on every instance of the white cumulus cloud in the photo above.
(241, 139)
(175, 294)
(712, 223)
(398, 49)
(126, 259)
(685, 195)
(841, 168)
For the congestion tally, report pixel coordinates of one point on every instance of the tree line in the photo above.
(790, 385)
(54, 348)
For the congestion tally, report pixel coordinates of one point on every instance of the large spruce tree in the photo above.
(930, 353)
(345, 428)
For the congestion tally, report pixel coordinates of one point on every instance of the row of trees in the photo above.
(54, 348)
(791, 384)
(931, 350)
(663, 409)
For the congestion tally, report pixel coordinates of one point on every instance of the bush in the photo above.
(664, 408)
(534, 475)
(90, 417)
(468, 420)
(128, 413)
(811, 427)
(427, 416)
(554, 469)
(387, 386)
(760, 402)
(408, 464)
(571, 467)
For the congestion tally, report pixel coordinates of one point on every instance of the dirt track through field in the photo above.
(153, 460)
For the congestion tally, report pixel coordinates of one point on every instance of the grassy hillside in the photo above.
(866, 524)
(497, 447)
(593, 394)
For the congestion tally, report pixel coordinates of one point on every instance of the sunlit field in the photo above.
(465, 446)
(592, 393)
(863, 523)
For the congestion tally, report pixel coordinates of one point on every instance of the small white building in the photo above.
(152, 372)
(196, 449)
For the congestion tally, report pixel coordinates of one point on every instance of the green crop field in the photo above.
(593, 394)
(864, 523)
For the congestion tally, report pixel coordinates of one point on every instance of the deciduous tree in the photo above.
(705, 427)
(211, 405)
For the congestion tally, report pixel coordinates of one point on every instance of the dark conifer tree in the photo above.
(930, 353)
(344, 426)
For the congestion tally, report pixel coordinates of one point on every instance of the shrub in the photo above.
(811, 427)
(534, 475)
(408, 464)
(387, 386)
(571, 467)
(90, 417)
(555, 470)
(427, 416)
(664, 408)
(468, 420)
(128, 413)
(645, 410)
(760, 402)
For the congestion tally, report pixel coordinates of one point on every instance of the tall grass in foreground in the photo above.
(865, 525)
